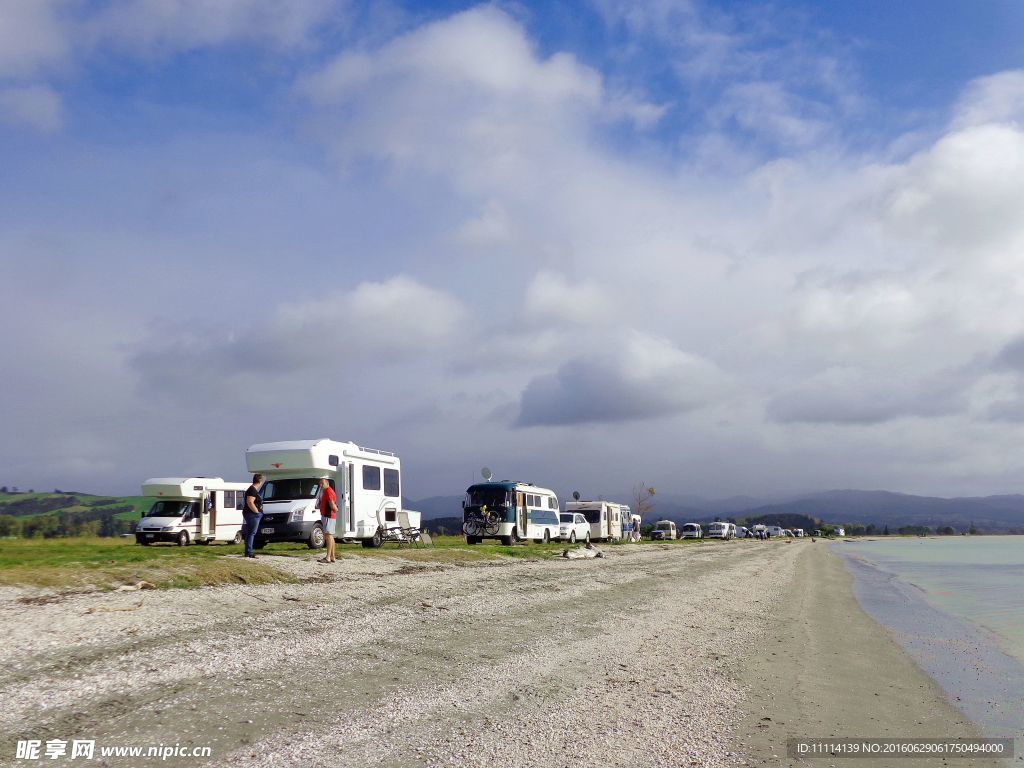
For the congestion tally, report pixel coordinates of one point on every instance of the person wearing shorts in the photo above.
(328, 517)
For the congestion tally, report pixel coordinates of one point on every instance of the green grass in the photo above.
(91, 563)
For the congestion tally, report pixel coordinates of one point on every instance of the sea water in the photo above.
(956, 604)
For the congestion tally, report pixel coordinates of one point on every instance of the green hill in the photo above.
(66, 513)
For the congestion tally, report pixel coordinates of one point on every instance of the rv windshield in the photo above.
(492, 497)
(291, 488)
(169, 508)
(592, 515)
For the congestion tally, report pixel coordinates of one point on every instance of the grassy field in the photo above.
(93, 563)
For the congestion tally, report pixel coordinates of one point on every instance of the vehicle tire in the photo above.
(572, 537)
(316, 538)
(376, 541)
(506, 541)
(587, 540)
(238, 538)
(204, 542)
(182, 539)
(144, 542)
(547, 537)
(259, 543)
(472, 539)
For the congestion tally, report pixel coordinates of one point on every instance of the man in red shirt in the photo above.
(328, 516)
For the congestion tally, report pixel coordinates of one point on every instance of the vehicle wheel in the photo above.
(587, 540)
(259, 543)
(316, 537)
(144, 542)
(473, 539)
(237, 539)
(376, 541)
(547, 537)
(506, 541)
(183, 539)
(204, 542)
(572, 538)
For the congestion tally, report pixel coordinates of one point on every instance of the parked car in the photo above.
(692, 531)
(573, 527)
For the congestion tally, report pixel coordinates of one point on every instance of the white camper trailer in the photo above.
(366, 481)
(606, 518)
(718, 530)
(187, 509)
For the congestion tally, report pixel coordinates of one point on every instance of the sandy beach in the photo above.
(652, 656)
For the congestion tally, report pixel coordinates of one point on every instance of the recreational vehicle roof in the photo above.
(510, 485)
(183, 487)
(290, 456)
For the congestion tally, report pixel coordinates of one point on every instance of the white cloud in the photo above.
(168, 26)
(36, 106)
(33, 38)
(998, 98)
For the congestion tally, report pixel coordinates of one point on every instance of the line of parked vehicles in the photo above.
(367, 482)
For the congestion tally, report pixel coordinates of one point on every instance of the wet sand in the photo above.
(828, 669)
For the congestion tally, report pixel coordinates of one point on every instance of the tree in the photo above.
(643, 499)
(9, 525)
(885, 532)
(3, 489)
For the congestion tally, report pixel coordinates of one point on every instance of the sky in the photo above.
(715, 247)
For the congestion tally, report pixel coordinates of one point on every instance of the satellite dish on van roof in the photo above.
(576, 495)
(487, 474)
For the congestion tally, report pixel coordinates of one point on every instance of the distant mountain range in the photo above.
(880, 508)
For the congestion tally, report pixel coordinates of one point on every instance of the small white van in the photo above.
(692, 531)
(718, 530)
(773, 531)
(191, 509)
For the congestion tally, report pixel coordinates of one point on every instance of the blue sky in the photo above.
(729, 247)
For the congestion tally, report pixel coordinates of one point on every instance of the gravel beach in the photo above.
(629, 660)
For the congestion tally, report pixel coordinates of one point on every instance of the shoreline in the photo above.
(831, 670)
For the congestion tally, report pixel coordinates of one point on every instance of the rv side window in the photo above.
(371, 478)
(390, 515)
(239, 499)
(229, 499)
(391, 487)
(551, 502)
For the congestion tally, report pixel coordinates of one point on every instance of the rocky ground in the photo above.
(627, 660)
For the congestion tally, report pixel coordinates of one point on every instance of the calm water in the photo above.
(957, 605)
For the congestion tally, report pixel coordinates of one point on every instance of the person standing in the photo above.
(252, 513)
(328, 517)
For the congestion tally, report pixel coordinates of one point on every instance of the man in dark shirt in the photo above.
(252, 513)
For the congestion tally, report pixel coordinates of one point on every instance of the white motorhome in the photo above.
(692, 531)
(607, 519)
(839, 531)
(191, 509)
(719, 530)
(510, 511)
(367, 483)
(664, 529)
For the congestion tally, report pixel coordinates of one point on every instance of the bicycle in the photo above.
(483, 522)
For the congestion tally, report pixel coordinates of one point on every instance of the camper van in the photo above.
(191, 509)
(773, 531)
(366, 481)
(606, 518)
(664, 529)
(692, 531)
(719, 530)
(520, 511)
